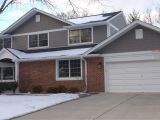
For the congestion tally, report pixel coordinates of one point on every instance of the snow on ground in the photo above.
(16, 105)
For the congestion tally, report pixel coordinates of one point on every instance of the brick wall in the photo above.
(43, 73)
(95, 74)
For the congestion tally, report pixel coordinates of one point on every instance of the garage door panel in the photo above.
(135, 82)
(134, 70)
(126, 88)
(125, 76)
(133, 77)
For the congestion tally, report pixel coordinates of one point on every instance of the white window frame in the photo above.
(38, 40)
(84, 43)
(68, 78)
(2, 80)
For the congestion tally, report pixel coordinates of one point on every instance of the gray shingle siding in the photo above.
(99, 33)
(119, 22)
(46, 23)
(58, 39)
(128, 43)
(20, 42)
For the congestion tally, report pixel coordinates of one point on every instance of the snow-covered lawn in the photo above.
(16, 105)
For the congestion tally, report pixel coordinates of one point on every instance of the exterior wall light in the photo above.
(99, 65)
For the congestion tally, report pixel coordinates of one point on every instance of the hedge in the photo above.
(8, 86)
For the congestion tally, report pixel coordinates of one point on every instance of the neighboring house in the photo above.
(94, 53)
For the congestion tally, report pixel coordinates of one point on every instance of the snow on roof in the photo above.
(93, 18)
(51, 54)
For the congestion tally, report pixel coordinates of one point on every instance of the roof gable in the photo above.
(122, 32)
(5, 53)
(29, 15)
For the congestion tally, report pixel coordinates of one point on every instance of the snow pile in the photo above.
(69, 53)
(89, 19)
(17, 105)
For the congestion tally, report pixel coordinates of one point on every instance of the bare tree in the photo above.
(4, 4)
(71, 14)
(148, 18)
(157, 19)
(135, 15)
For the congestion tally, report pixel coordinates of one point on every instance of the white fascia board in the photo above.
(19, 20)
(46, 58)
(120, 33)
(4, 53)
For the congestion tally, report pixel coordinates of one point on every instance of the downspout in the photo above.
(85, 77)
(17, 74)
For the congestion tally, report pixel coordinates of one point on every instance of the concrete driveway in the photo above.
(104, 107)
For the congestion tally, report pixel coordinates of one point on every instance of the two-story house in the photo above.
(93, 53)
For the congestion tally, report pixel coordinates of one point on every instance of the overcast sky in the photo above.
(15, 12)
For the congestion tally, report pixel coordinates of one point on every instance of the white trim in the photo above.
(2, 80)
(7, 37)
(16, 71)
(108, 30)
(68, 78)
(46, 58)
(106, 77)
(6, 81)
(84, 43)
(113, 26)
(32, 48)
(120, 33)
(4, 53)
(11, 41)
(28, 15)
(43, 31)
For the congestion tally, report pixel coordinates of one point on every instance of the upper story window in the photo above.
(80, 36)
(5, 43)
(38, 40)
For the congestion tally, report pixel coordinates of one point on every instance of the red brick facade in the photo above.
(43, 73)
(95, 74)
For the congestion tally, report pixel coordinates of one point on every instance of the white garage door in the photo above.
(133, 77)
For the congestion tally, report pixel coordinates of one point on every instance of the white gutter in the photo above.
(45, 58)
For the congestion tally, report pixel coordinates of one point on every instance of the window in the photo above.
(7, 73)
(139, 33)
(5, 43)
(69, 68)
(38, 40)
(80, 36)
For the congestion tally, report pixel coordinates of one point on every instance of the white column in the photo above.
(16, 71)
